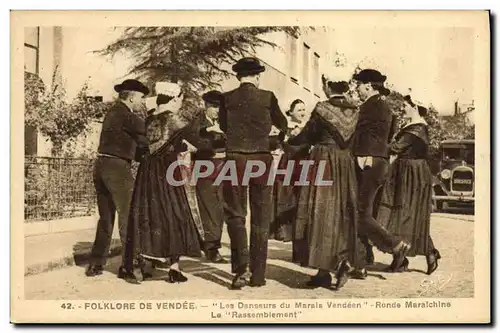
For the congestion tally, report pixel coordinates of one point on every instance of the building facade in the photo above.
(294, 67)
(65, 56)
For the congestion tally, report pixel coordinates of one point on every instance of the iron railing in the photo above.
(58, 188)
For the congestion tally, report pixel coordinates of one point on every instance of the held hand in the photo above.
(295, 131)
(277, 152)
(274, 131)
(365, 162)
(392, 158)
(190, 147)
(369, 162)
(214, 128)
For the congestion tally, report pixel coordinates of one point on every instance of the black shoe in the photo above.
(400, 256)
(122, 272)
(403, 268)
(215, 257)
(323, 280)
(239, 281)
(175, 276)
(94, 270)
(131, 276)
(432, 261)
(146, 275)
(257, 283)
(359, 274)
(393, 269)
(341, 275)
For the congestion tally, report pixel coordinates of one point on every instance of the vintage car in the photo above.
(453, 186)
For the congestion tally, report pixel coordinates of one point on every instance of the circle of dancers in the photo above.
(378, 193)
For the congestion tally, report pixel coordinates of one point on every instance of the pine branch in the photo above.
(193, 55)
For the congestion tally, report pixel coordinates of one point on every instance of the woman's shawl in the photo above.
(405, 137)
(332, 112)
(161, 129)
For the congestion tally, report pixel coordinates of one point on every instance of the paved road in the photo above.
(453, 235)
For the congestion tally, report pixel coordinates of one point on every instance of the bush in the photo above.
(50, 113)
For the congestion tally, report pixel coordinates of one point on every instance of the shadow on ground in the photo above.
(277, 251)
(82, 251)
(212, 273)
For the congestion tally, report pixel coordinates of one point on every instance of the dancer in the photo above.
(162, 224)
(210, 146)
(123, 139)
(370, 148)
(406, 202)
(285, 196)
(246, 116)
(326, 223)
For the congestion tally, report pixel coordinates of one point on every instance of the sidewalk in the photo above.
(50, 251)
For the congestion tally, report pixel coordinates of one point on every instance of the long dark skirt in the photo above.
(161, 223)
(326, 223)
(285, 196)
(406, 204)
(283, 211)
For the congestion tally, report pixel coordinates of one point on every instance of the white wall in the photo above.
(70, 49)
(279, 64)
(82, 65)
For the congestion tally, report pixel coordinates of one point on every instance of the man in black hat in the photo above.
(247, 114)
(123, 139)
(210, 143)
(371, 149)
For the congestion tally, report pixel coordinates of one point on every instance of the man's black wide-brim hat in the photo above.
(132, 85)
(370, 76)
(213, 97)
(248, 66)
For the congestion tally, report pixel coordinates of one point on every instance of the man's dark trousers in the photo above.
(260, 195)
(114, 185)
(369, 183)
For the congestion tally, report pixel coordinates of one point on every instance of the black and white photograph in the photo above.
(238, 167)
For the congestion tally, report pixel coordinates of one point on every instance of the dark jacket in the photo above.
(374, 128)
(412, 142)
(208, 143)
(123, 134)
(246, 115)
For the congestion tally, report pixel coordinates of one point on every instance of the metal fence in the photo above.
(58, 188)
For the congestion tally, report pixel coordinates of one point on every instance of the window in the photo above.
(31, 64)
(316, 75)
(30, 60)
(31, 49)
(293, 58)
(31, 36)
(305, 66)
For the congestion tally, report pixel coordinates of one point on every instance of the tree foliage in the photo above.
(195, 56)
(53, 116)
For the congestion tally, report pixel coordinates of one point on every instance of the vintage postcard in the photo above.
(250, 167)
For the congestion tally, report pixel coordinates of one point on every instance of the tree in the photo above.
(50, 113)
(194, 56)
